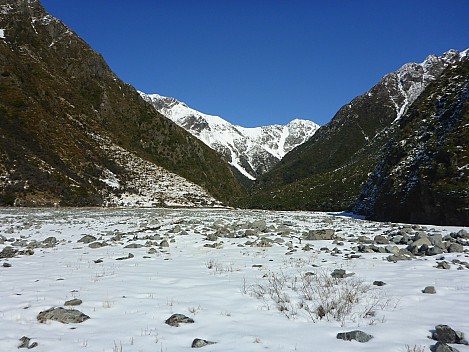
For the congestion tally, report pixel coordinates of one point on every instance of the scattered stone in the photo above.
(8, 252)
(134, 245)
(97, 261)
(340, 274)
(152, 251)
(365, 240)
(6, 265)
(392, 249)
(50, 241)
(397, 239)
(356, 335)
(455, 248)
(398, 257)
(316, 235)
(62, 315)
(380, 239)
(97, 245)
(436, 240)
(176, 319)
(129, 256)
(443, 265)
(164, 244)
(73, 302)
(197, 343)
(25, 343)
(379, 283)
(259, 225)
(87, 239)
(442, 347)
(463, 234)
(429, 289)
(214, 245)
(445, 334)
(265, 242)
(434, 251)
(211, 237)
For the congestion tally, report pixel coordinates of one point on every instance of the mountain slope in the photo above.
(327, 172)
(252, 151)
(424, 173)
(63, 113)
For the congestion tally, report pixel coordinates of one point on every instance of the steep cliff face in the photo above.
(63, 113)
(424, 173)
(327, 172)
(251, 151)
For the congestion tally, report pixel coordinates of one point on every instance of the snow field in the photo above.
(129, 300)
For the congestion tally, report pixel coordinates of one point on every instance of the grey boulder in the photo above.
(197, 343)
(176, 319)
(62, 315)
(356, 335)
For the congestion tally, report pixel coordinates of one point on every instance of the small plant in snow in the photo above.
(194, 310)
(415, 348)
(117, 347)
(319, 296)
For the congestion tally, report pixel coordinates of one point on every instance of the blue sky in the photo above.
(264, 62)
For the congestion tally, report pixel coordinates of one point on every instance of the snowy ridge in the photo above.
(252, 151)
(412, 78)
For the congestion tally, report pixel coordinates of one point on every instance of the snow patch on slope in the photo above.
(143, 184)
(412, 78)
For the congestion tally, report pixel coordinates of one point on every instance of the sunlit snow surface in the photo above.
(129, 300)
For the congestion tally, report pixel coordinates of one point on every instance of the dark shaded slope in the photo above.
(424, 174)
(59, 99)
(320, 174)
(327, 172)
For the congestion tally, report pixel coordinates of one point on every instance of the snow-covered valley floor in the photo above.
(250, 280)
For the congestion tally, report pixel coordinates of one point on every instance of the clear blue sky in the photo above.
(262, 62)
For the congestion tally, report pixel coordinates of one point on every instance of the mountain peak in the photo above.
(252, 151)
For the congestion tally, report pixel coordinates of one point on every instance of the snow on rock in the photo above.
(2, 33)
(143, 184)
(411, 79)
(252, 151)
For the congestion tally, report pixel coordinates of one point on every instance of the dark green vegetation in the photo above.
(58, 99)
(424, 173)
(326, 172)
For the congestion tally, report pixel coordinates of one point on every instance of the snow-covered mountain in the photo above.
(252, 151)
(408, 82)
